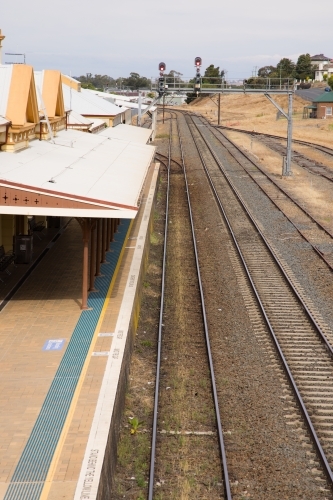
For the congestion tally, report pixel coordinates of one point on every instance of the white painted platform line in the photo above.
(88, 482)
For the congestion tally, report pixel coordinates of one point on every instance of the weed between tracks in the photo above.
(134, 448)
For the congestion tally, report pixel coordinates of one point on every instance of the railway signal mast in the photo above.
(161, 86)
(197, 85)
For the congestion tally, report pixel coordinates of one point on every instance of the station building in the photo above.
(68, 159)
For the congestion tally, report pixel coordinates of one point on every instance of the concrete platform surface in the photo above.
(60, 366)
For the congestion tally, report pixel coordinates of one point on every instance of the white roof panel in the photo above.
(128, 133)
(39, 81)
(5, 80)
(86, 103)
(108, 95)
(95, 167)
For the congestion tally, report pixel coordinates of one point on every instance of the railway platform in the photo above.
(63, 370)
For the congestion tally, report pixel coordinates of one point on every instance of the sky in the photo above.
(116, 38)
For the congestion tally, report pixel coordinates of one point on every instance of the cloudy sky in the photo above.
(118, 37)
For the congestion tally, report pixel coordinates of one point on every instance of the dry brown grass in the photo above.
(255, 112)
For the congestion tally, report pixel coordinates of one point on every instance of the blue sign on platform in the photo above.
(54, 345)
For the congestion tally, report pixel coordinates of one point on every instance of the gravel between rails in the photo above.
(267, 457)
(315, 283)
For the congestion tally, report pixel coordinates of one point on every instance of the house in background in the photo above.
(319, 59)
(323, 65)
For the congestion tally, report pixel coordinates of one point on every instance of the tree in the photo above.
(304, 69)
(213, 75)
(89, 86)
(136, 82)
(173, 78)
(267, 71)
(285, 68)
(98, 82)
(190, 97)
(330, 81)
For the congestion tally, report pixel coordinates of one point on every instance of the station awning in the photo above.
(80, 175)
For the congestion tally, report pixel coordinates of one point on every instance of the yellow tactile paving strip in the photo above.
(67, 470)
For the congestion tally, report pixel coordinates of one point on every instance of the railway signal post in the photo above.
(197, 85)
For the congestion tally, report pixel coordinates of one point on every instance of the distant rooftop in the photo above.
(325, 97)
(320, 57)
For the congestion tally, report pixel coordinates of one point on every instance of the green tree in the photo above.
(190, 97)
(173, 78)
(304, 69)
(136, 82)
(97, 82)
(267, 71)
(330, 81)
(285, 68)
(89, 86)
(213, 75)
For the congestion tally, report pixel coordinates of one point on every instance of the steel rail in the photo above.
(159, 340)
(207, 339)
(208, 348)
(306, 416)
(320, 147)
(319, 225)
(269, 247)
(174, 161)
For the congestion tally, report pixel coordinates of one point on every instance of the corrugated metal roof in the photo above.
(5, 80)
(94, 167)
(128, 133)
(86, 103)
(107, 95)
(325, 97)
(77, 119)
(39, 79)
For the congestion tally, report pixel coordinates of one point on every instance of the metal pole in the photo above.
(86, 235)
(163, 106)
(290, 134)
(103, 240)
(219, 110)
(92, 257)
(139, 109)
(108, 235)
(112, 230)
(98, 249)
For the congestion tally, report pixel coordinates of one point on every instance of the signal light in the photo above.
(160, 86)
(197, 61)
(161, 66)
(197, 85)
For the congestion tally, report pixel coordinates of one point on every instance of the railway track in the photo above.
(208, 436)
(315, 233)
(277, 144)
(302, 346)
